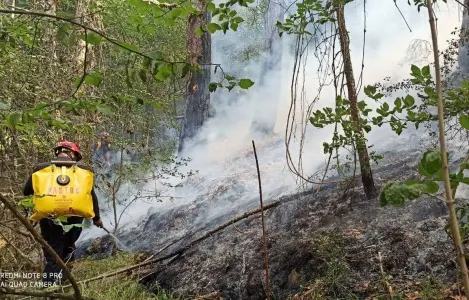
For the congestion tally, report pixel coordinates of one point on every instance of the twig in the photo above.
(28, 235)
(9, 291)
(264, 234)
(30, 262)
(386, 282)
(46, 246)
(181, 250)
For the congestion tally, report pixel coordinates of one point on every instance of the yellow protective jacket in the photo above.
(74, 197)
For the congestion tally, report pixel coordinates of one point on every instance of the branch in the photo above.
(8, 291)
(111, 40)
(181, 250)
(264, 234)
(49, 249)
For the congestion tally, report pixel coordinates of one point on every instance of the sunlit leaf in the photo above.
(245, 83)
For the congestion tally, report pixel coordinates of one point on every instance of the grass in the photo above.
(119, 287)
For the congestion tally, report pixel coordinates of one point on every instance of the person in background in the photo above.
(101, 150)
(62, 242)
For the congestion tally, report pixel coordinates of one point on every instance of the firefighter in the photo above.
(101, 150)
(45, 181)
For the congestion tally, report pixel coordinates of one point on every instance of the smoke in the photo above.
(222, 151)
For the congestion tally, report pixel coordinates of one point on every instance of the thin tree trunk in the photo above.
(198, 95)
(265, 112)
(88, 54)
(463, 53)
(364, 159)
(441, 126)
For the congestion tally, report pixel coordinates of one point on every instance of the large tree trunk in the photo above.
(365, 167)
(198, 95)
(463, 55)
(265, 111)
(84, 14)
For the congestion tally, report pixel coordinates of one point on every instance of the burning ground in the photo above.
(323, 243)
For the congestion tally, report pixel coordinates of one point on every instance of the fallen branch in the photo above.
(264, 234)
(179, 251)
(46, 246)
(8, 291)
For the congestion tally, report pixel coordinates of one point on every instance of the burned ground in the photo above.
(320, 238)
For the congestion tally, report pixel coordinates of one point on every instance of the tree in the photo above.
(265, 111)
(199, 46)
(364, 159)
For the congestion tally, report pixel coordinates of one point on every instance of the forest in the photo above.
(247, 149)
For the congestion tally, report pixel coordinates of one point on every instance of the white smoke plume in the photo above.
(222, 151)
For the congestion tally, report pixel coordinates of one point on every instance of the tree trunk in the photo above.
(91, 17)
(463, 55)
(265, 112)
(198, 95)
(365, 167)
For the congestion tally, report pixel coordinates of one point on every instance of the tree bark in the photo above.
(265, 111)
(198, 96)
(364, 159)
(86, 15)
(463, 53)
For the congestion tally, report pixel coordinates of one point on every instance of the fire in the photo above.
(194, 87)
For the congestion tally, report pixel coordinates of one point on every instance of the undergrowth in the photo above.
(334, 279)
(120, 287)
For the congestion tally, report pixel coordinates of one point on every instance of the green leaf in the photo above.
(104, 109)
(464, 121)
(212, 87)
(426, 71)
(245, 83)
(370, 90)
(61, 219)
(431, 162)
(432, 187)
(237, 20)
(185, 70)
(13, 120)
(409, 101)
(67, 228)
(396, 194)
(91, 38)
(198, 31)
(234, 26)
(415, 70)
(163, 73)
(94, 78)
(213, 27)
(27, 202)
(4, 106)
(210, 6)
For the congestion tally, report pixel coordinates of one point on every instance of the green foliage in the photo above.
(229, 82)
(431, 169)
(228, 18)
(308, 12)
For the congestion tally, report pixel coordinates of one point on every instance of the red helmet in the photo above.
(70, 146)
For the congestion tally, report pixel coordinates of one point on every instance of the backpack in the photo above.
(63, 190)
